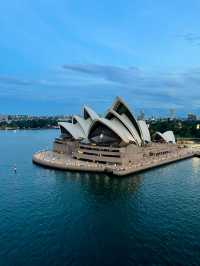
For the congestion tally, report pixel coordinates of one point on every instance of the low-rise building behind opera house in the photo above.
(117, 138)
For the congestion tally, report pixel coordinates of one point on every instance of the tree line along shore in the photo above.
(36, 123)
(181, 128)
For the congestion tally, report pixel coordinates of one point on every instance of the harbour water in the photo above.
(50, 217)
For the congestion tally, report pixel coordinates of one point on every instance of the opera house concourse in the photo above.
(116, 142)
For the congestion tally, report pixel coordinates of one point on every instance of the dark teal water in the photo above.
(49, 217)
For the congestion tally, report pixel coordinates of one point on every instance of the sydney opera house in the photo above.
(117, 138)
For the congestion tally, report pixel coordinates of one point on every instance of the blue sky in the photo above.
(57, 55)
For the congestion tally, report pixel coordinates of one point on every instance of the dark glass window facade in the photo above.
(101, 134)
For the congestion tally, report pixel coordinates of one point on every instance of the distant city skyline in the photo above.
(58, 55)
(141, 116)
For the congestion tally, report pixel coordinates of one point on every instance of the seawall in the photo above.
(54, 160)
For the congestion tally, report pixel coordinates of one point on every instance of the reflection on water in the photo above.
(50, 217)
(196, 164)
(97, 184)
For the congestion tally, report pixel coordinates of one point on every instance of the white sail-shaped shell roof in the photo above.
(84, 123)
(79, 127)
(159, 134)
(167, 136)
(116, 126)
(75, 130)
(145, 131)
(89, 113)
(122, 108)
(123, 130)
(118, 119)
(127, 124)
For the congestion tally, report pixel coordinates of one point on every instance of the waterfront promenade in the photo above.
(64, 162)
